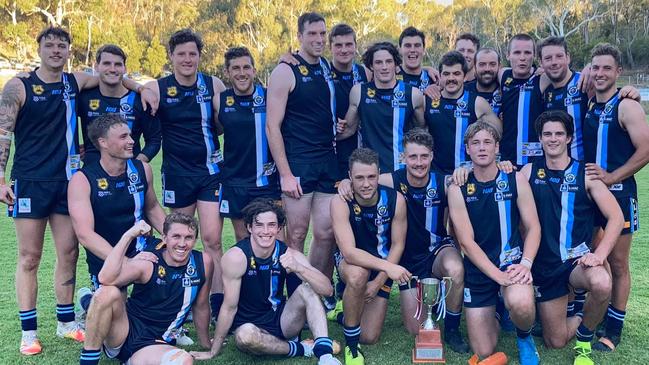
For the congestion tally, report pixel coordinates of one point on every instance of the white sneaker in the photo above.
(182, 339)
(328, 359)
(79, 312)
(71, 330)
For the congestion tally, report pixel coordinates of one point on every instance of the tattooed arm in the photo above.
(13, 98)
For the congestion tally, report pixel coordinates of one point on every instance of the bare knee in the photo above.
(619, 266)
(600, 284)
(556, 342)
(297, 233)
(29, 260)
(105, 297)
(177, 356)
(306, 293)
(323, 234)
(370, 337)
(356, 277)
(212, 242)
(246, 336)
(521, 306)
(455, 270)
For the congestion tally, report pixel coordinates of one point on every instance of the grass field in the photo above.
(395, 344)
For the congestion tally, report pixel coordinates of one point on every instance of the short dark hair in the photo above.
(484, 50)
(236, 52)
(364, 156)
(418, 136)
(112, 49)
(469, 37)
(412, 32)
(559, 116)
(521, 37)
(453, 58)
(99, 127)
(185, 35)
(341, 29)
(180, 218)
(310, 17)
(478, 126)
(552, 41)
(607, 49)
(368, 56)
(263, 205)
(55, 32)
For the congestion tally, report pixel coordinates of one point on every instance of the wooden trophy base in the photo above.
(428, 347)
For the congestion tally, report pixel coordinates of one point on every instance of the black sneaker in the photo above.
(607, 343)
(454, 340)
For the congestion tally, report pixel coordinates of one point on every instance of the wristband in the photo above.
(526, 262)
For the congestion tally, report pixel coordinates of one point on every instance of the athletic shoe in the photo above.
(582, 353)
(328, 359)
(333, 315)
(30, 345)
(181, 337)
(350, 360)
(607, 343)
(79, 311)
(527, 353)
(71, 330)
(329, 303)
(455, 341)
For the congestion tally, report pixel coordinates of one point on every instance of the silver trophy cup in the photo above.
(431, 289)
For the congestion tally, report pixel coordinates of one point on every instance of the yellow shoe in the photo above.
(71, 330)
(350, 360)
(582, 353)
(332, 315)
(30, 345)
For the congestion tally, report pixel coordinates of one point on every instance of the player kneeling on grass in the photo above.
(486, 214)
(370, 233)
(139, 332)
(566, 200)
(254, 308)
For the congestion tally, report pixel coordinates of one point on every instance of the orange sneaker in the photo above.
(30, 345)
(71, 330)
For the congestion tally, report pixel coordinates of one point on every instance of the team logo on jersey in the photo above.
(93, 104)
(357, 209)
(502, 185)
(431, 193)
(398, 95)
(508, 81)
(133, 178)
(258, 100)
(461, 104)
(102, 184)
(191, 270)
(229, 101)
(161, 272)
(382, 210)
(497, 97)
(608, 108)
(38, 89)
(253, 264)
(371, 92)
(470, 189)
(202, 90)
(172, 91)
(572, 91)
(540, 173)
(303, 70)
(550, 96)
(434, 103)
(125, 108)
(570, 178)
(400, 77)
(160, 245)
(404, 188)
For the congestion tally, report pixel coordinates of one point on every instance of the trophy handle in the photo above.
(447, 287)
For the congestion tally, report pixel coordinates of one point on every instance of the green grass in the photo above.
(394, 346)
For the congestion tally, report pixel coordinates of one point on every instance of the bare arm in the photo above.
(86, 81)
(152, 137)
(13, 98)
(154, 212)
(634, 120)
(280, 84)
(83, 220)
(529, 217)
(201, 307)
(483, 111)
(295, 262)
(418, 103)
(352, 118)
(216, 107)
(218, 85)
(464, 233)
(610, 209)
(119, 270)
(234, 266)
